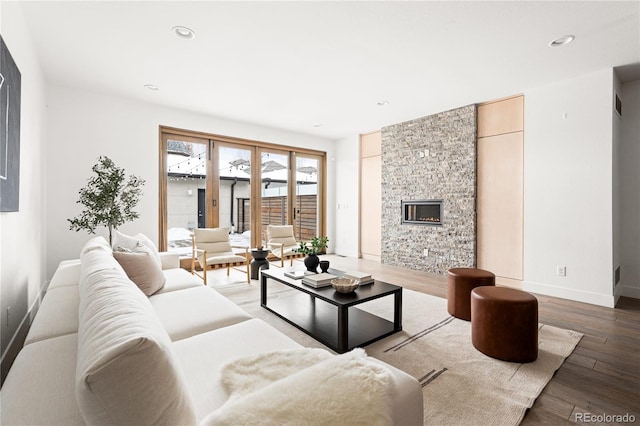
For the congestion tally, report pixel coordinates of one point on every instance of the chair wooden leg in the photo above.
(249, 275)
(292, 260)
(282, 262)
(228, 270)
(204, 275)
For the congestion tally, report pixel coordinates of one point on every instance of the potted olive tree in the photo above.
(109, 198)
(312, 249)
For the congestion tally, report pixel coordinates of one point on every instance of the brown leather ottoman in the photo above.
(504, 323)
(460, 282)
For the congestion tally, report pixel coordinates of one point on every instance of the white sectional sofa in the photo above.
(101, 352)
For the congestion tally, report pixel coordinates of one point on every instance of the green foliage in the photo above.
(315, 246)
(109, 198)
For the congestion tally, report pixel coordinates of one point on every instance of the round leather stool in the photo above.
(504, 323)
(460, 282)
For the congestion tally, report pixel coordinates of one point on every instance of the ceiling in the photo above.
(320, 68)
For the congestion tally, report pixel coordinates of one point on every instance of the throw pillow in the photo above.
(129, 242)
(142, 268)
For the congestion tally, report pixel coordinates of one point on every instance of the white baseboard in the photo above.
(339, 251)
(570, 294)
(629, 291)
(17, 340)
(371, 257)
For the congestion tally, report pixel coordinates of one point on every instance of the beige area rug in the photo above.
(461, 386)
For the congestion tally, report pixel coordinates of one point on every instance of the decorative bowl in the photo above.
(345, 285)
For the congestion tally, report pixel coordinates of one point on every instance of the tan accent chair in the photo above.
(281, 242)
(212, 250)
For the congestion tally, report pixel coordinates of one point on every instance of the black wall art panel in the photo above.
(10, 81)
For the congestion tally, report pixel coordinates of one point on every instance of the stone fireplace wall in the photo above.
(428, 158)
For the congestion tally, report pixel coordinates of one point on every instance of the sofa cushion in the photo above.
(179, 279)
(95, 243)
(196, 310)
(169, 260)
(251, 338)
(201, 357)
(143, 268)
(57, 314)
(275, 386)
(95, 260)
(406, 397)
(40, 386)
(67, 274)
(126, 371)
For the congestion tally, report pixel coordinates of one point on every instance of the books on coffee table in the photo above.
(318, 280)
(296, 275)
(363, 277)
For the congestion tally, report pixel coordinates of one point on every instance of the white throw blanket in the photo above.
(305, 387)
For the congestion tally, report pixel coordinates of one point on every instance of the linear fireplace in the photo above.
(427, 212)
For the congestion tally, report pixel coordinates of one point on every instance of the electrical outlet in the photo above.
(425, 252)
(561, 271)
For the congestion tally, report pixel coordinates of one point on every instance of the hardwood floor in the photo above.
(601, 376)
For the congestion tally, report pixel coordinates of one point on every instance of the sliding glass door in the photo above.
(187, 190)
(308, 203)
(210, 181)
(274, 189)
(234, 183)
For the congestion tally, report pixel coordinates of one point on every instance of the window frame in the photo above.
(257, 146)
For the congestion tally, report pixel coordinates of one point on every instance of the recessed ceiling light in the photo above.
(382, 103)
(184, 32)
(562, 41)
(317, 125)
(151, 87)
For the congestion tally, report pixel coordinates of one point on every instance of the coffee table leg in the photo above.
(263, 291)
(343, 329)
(397, 310)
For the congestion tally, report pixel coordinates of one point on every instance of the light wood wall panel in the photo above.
(500, 205)
(371, 196)
(500, 117)
(371, 209)
(371, 144)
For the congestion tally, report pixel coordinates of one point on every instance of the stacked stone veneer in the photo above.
(429, 158)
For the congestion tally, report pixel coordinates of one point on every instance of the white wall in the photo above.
(616, 140)
(568, 188)
(84, 125)
(629, 172)
(22, 255)
(568, 172)
(347, 200)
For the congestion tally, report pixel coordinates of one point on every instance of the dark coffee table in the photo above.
(331, 317)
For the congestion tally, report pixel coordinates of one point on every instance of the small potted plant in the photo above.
(312, 249)
(109, 198)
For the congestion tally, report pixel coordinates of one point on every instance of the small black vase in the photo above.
(311, 262)
(324, 265)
